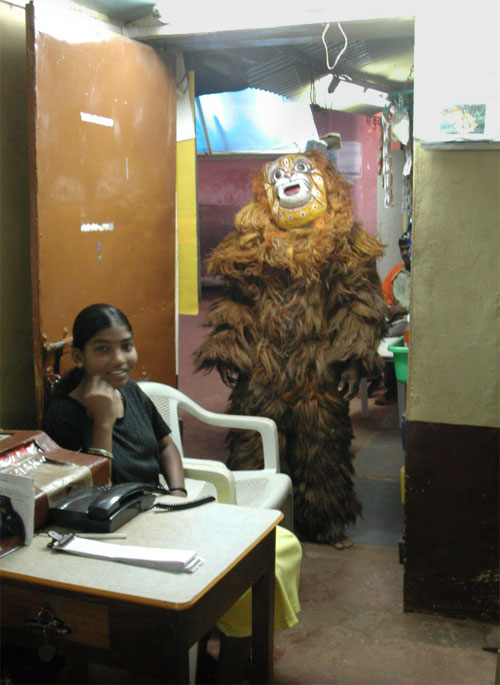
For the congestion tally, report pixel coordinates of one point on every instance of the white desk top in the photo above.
(220, 533)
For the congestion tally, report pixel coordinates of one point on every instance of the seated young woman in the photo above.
(97, 406)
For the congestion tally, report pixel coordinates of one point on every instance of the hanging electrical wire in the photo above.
(326, 46)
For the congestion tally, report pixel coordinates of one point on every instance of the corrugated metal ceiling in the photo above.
(284, 59)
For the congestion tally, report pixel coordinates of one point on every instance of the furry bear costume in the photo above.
(302, 303)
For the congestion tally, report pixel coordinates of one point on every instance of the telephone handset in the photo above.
(103, 508)
(107, 503)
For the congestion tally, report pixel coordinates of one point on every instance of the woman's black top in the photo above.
(135, 435)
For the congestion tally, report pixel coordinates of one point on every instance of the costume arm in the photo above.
(227, 347)
(356, 315)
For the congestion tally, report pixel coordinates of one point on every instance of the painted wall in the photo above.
(224, 186)
(17, 398)
(227, 181)
(453, 413)
(454, 358)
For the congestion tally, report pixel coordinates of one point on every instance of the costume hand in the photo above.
(349, 380)
(102, 401)
(228, 374)
(396, 311)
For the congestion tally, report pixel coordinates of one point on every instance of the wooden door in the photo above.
(102, 181)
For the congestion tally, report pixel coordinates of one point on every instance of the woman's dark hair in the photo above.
(93, 319)
(88, 323)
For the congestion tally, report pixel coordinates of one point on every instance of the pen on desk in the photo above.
(99, 536)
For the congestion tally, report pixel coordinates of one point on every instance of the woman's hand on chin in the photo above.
(101, 400)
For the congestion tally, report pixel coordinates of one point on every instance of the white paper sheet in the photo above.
(186, 560)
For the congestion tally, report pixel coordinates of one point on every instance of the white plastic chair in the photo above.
(265, 488)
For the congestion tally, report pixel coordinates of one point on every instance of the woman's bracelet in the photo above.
(100, 452)
(180, 490)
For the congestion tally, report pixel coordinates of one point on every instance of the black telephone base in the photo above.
(77, 518)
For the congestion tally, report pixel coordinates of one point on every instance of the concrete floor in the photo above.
(352, 628)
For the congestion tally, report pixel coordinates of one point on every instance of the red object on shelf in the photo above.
(34, 450)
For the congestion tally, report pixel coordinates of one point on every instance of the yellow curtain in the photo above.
(187, 226)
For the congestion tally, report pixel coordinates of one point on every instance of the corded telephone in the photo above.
(103, 509)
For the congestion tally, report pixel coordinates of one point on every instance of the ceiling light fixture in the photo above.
(333, 83)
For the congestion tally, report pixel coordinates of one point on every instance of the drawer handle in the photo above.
(47, 623)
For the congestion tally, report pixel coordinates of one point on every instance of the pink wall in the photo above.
(227, 181)
(366, 130)
(225, 184)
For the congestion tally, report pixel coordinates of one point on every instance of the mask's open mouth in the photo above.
(292, 189)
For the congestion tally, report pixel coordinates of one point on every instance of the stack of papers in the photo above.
(185, 560)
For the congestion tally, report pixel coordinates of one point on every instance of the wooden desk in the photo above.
(144, 620)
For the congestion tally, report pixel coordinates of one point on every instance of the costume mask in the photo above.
(295, 191)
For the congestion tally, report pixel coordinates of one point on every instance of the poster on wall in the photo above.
(460, 123)
(463, 120)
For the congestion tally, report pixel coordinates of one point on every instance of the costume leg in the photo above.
(315, 435)
(246, 446)
(321, 469)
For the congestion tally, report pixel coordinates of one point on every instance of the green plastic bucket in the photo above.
(400, 352)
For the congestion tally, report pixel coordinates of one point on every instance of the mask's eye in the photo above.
(279, 173)
(301, 166)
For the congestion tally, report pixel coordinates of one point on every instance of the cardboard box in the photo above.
(56, 472)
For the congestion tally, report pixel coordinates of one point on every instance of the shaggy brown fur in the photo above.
(299, 305)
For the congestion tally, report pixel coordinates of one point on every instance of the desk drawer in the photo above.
(89, 621)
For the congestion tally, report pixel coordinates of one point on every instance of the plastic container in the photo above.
(400, 352)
